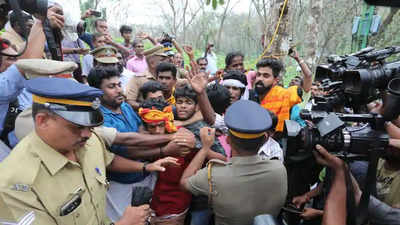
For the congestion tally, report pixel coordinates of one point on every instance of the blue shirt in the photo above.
(295, 115)
(88, 39)
(127, 121)
(11, 85)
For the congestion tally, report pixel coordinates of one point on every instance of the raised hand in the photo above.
(188, 50)
(197, 79)
(56, 17)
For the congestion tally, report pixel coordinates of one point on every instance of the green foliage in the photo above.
(215, 3)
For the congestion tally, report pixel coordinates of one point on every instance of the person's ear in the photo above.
(276, 80)
(42, 120)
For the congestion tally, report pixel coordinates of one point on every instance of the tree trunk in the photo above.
(311, 41)
(281, 42)
(221, 25)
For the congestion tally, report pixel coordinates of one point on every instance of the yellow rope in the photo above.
(275, 33)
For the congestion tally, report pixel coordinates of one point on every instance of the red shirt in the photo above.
(168, 197)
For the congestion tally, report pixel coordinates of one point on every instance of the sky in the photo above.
(149, 11)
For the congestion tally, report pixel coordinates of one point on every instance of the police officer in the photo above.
(247, 185)
(57, 174)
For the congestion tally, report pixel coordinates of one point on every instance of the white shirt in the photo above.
(212, 63)
(219, 123)
(126, 75)
(87, 64)
(271, 149)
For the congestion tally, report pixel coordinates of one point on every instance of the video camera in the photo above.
(331, 131)
(30, 6)
(365, 77)
(34, 7)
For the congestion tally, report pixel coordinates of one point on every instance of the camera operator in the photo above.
(335, 213)
(12, 80)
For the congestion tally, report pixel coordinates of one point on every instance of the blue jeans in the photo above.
(200, 217)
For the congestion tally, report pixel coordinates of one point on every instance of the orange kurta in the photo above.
(280, 100)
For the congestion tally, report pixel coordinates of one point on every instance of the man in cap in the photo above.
(156, 56)
(62, 179)
(105, 55)
(31, 68)
(236, 189)
(99, 40)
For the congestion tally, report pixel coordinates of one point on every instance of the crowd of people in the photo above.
(119, 134)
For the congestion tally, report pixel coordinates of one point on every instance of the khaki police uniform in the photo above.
(43, 181)
(242, 188)
(246, 186)
(39, 185)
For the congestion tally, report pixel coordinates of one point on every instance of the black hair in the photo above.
(99, 20)
(14, 18)
(229, 57)
(275, 64)
(125, 29)
(96, 36)
(158, 104)
(37, 108)
(136, 42)
(98, 73)
(236, 75)
(185, 91)
(201, 58)
(219, 97)
(247, 145)
(300, 92)
(151, 86)
(165, 67)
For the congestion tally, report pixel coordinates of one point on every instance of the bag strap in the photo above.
(210, 187)
(369, 188)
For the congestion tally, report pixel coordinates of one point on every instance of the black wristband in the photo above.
(144, 167)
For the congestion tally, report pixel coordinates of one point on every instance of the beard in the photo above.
(261, 89)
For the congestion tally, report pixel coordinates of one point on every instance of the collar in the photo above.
(51, 158)
(106, 110)
(245, 160)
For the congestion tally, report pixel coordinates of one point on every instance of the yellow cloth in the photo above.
(155, 116)
(171, 100)
(280, 100)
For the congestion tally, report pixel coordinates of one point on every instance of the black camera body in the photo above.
(331, 131)
(30, 6)
(365, 77)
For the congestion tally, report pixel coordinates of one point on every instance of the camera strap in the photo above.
(369, 187)
(54, 38)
